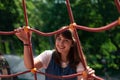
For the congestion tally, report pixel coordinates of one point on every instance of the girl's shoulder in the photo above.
(48, 52)
(80, 67)
(45, 57)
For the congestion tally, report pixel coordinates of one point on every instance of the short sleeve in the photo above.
(80, 68)
(45, 57)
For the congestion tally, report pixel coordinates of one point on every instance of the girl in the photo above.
(63, 60)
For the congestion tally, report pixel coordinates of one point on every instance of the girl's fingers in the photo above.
(17, 30)
(92, 72)
(22, 35)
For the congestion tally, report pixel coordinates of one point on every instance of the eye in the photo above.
(58, 39)
(66, 40)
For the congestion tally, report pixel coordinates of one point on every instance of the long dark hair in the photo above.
(73, 55)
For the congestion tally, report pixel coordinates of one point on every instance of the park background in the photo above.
(101, 49)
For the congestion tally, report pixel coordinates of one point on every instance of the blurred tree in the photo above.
(102, 45)
(9, 15)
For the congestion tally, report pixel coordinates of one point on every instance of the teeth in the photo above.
(61, 47)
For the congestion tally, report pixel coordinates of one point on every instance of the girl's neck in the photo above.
(64, 58)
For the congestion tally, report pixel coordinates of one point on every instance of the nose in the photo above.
(61, 42)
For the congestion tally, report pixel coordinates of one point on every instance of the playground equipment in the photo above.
(73, 26)
(4, 67)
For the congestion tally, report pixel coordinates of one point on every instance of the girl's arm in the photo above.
(23, 36)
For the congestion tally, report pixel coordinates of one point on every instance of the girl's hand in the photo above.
(22, 35)
(91, 72)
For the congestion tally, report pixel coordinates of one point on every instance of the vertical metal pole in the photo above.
(117, 3)
(35, 76)
(30, 57)
(25, 12)
(69, 11)
(81, 54)
(76, 35)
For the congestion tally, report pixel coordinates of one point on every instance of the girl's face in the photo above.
(63, 44)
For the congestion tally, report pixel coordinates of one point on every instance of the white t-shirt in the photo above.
(45, 58)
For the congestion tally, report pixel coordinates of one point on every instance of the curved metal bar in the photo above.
(7, 33)
(12, 75)
(60, 77)
(103, 28)
(36, 31)
(69, 76)
(50, 33)
(99, 29)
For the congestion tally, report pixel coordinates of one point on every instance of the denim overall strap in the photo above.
(57, 70)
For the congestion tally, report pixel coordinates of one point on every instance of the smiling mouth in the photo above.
(61, 47)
